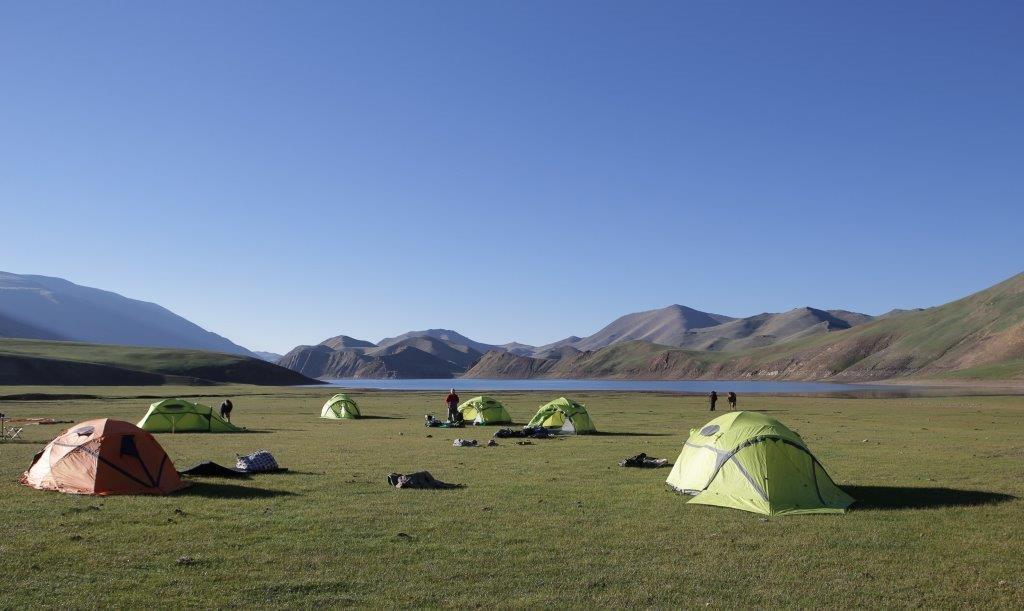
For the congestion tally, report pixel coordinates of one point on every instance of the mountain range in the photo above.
(979, 336)
(41, 307)
(448, 353)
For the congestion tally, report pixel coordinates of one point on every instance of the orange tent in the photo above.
(104, 457)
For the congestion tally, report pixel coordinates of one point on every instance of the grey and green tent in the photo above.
(181, 416)
(484, 410)
(749, 461)
(340, 407)
(565, 415)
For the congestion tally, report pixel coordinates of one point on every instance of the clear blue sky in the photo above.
(282, 172)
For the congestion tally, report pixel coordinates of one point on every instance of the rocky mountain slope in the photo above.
(978, 337)
(41, 307)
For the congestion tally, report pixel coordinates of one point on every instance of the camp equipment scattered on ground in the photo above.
(420, 479)
(260, 461)
(430, 421)
(465, 443)
(103, 457)
(536, 432)
(484, 410)
(565, 415)
(340, 406)
(750, 461)
(643, 461)
(181, 416)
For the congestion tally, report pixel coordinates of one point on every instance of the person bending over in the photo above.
(225, 409)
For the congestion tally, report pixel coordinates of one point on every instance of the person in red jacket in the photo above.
(452, 401)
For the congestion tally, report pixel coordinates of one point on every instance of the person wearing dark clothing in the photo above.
(225, 409)
(732, 400)
(452, 401)
(713, 398)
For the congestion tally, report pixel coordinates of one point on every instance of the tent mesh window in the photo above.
(709, 430)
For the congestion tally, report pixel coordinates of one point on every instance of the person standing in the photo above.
(732, 400)
(452, 401)
(225, 409)
(713, 398)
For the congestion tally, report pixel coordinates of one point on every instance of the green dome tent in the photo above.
(340, 406)
(484, 410)
(181, 416)
(564, 414)
(752, 462)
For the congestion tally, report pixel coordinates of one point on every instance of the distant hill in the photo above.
(978, 337)
(41, 307)
(343, 341)
(10, 327)
(767, 329)
(270, 357)
(666, 326)
(37, 362)
(553, 347)
(461, 356)
(396, 361)
(447, 335)
(517, 348)
(498, 364)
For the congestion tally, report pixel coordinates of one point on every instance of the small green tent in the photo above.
(484, 410)
(340, 406)
(749, 461)
(181, 416)
(564, 414)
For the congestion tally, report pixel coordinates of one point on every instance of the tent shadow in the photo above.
(904, 497)
(230, 491)
(629, 434)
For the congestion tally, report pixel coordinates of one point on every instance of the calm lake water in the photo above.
(678, 386)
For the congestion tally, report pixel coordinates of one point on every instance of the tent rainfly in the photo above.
(566, 415)
(749, 461)
(484, 410)
(181, 416)
(103, 457)
(340, 406)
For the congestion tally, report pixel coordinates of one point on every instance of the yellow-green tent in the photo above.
(566, 415)
(340, 406)
(749, 461)
(181, 416)
(484, 410)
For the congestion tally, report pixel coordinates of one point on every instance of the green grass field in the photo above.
(554, 524)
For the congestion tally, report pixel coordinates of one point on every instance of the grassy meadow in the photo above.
(556, 523)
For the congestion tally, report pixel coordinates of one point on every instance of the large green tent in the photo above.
(484, 410)
(181, 416)
(564, 414)
(749, 461)
(340, 406)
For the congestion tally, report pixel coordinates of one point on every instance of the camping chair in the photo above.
(13, 432)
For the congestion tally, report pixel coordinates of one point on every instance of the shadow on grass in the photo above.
(902, 497)
(629, 434)
(230, 491)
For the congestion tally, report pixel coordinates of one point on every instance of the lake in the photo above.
(675, 386)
